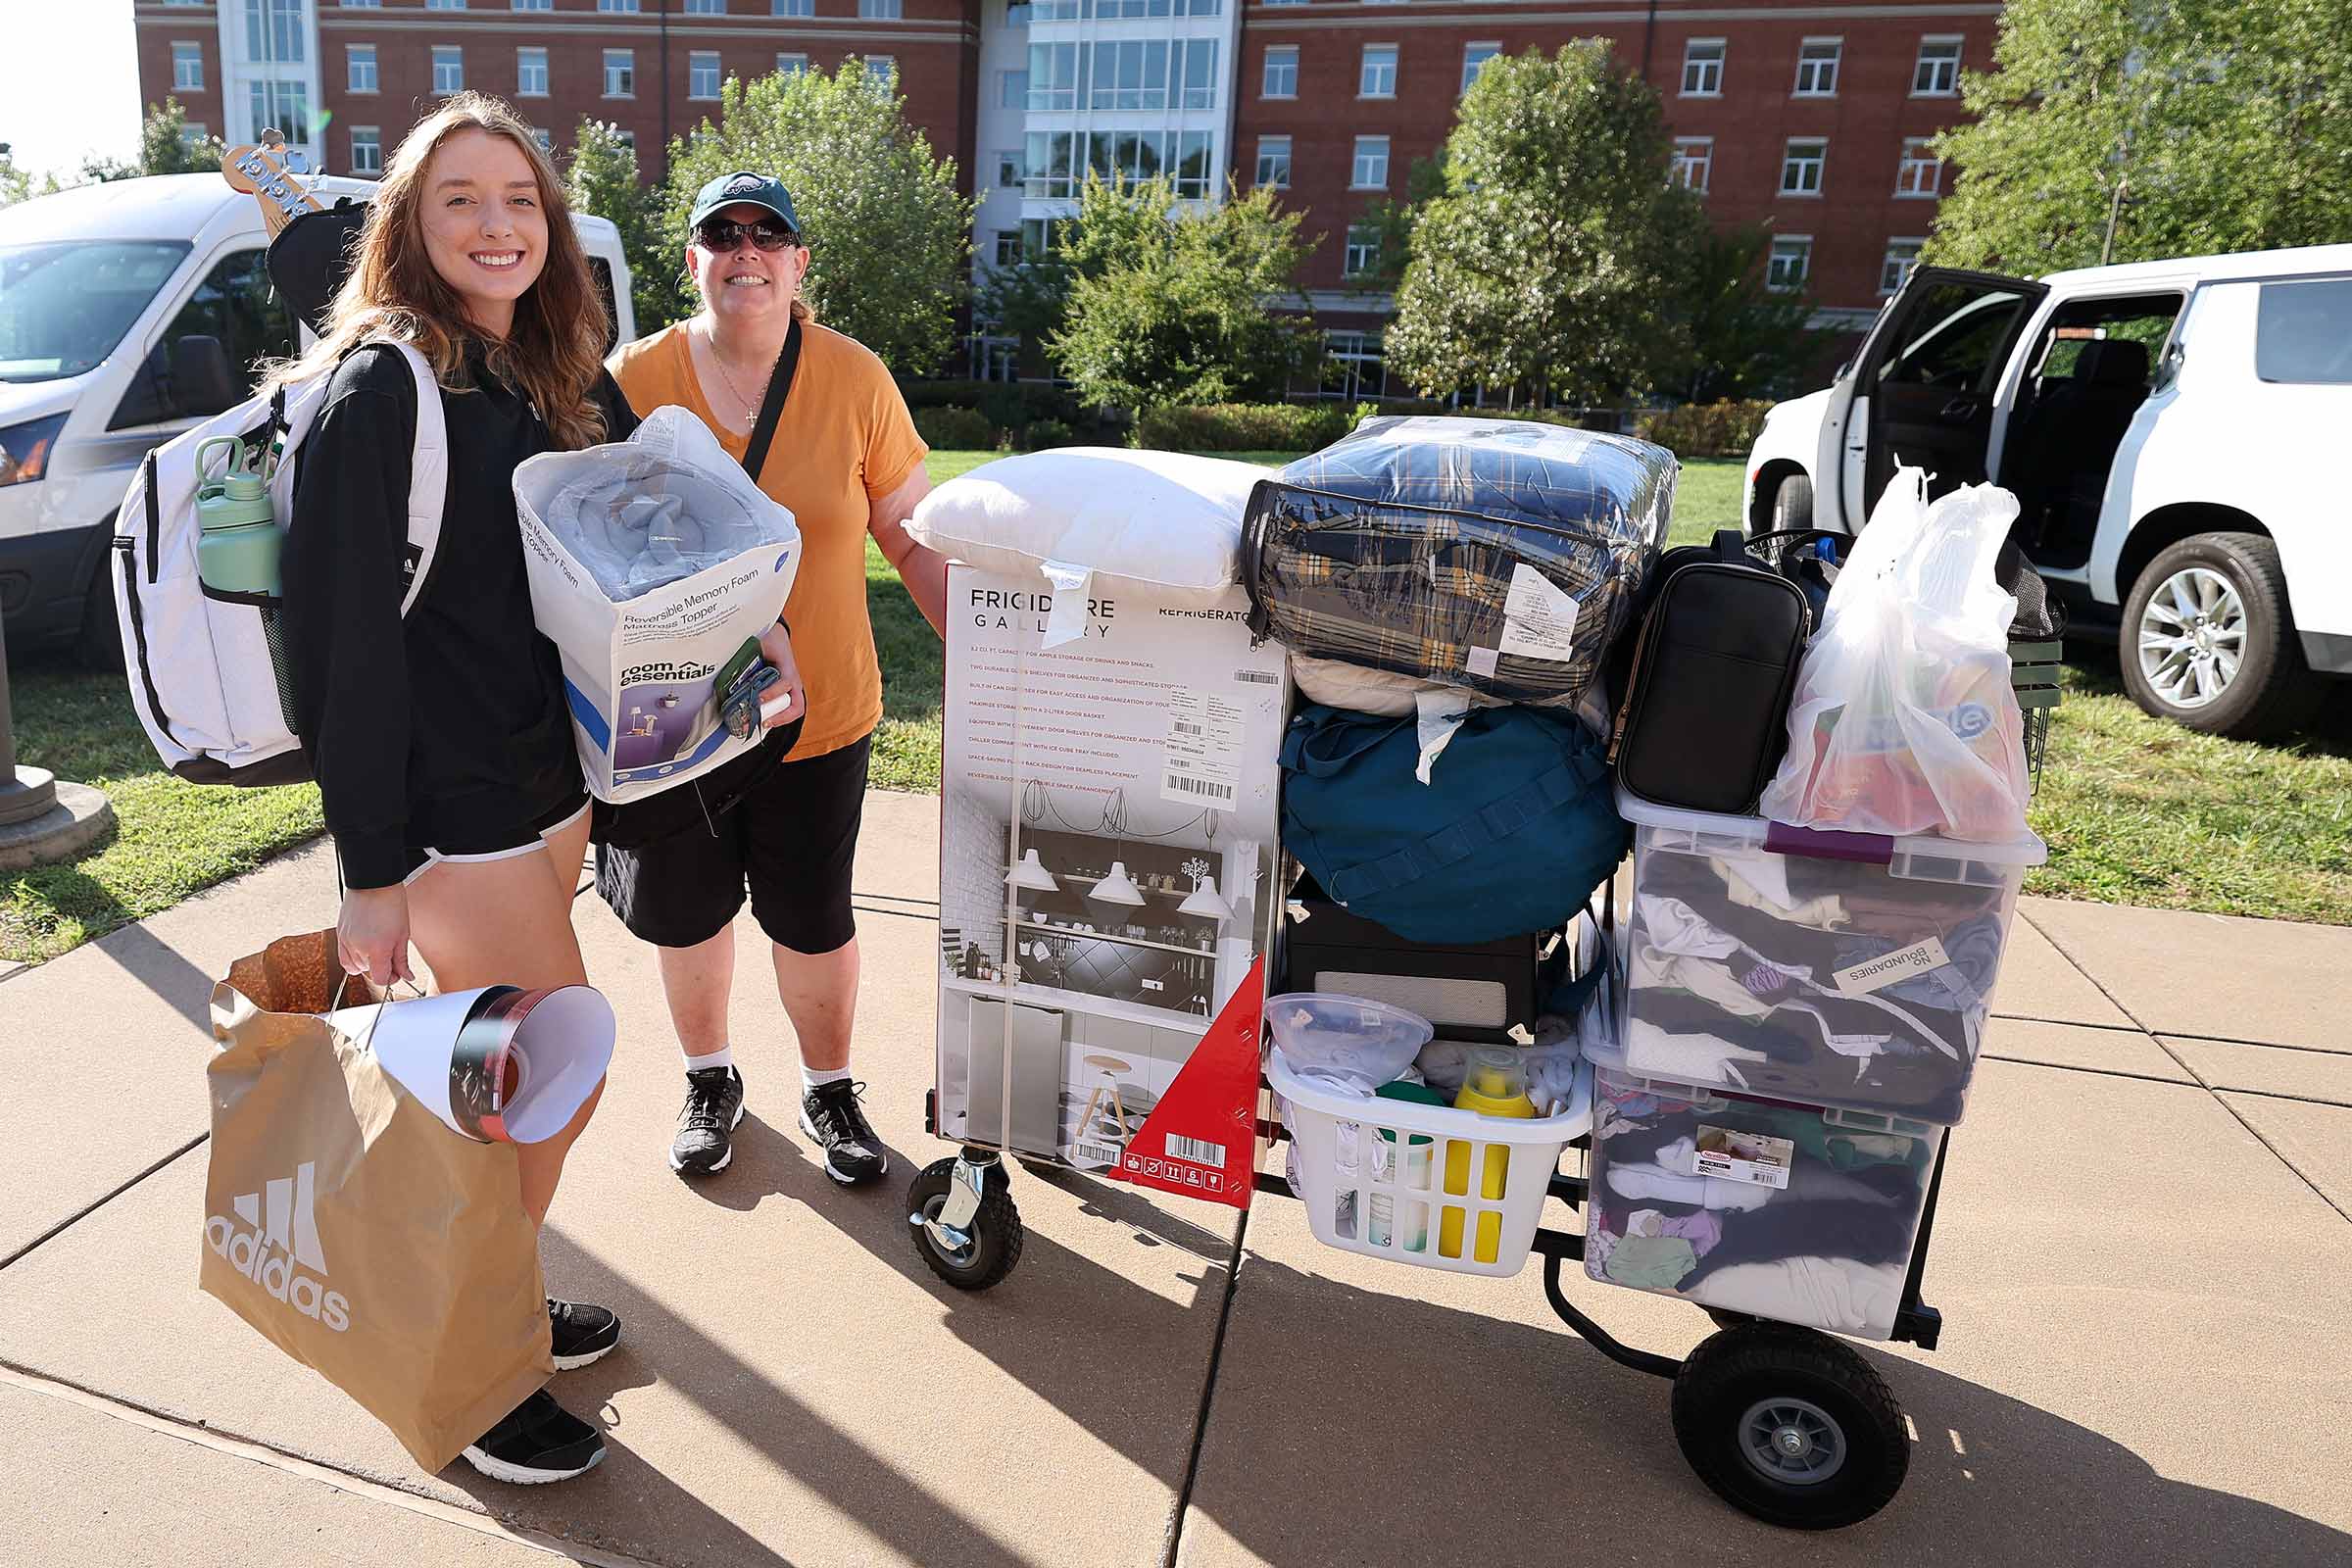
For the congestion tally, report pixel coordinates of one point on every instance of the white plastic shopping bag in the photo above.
(655, 566)
(1904, 720)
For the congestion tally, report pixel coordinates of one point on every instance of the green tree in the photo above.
(603, 181)
(1747, 340)
(1392, 223)
(889, 232)
(19, 184)
(1553, 261)
(165, 148)
(1028, 298)
(2227, 124)
(1167, 301)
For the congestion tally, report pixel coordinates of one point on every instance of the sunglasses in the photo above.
(720, 235)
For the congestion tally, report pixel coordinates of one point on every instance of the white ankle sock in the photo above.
(811, 1081)
(723, 1057)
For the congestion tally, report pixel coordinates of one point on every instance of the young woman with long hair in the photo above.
(441, 740)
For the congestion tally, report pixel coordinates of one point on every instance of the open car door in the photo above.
(1921, 392)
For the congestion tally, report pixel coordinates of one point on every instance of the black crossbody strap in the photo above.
(772, 407)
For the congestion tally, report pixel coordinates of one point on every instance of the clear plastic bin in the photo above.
(1789, 1212)
(1833, 968)
(1430, 1186)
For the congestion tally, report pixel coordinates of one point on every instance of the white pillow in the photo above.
(1164, 520)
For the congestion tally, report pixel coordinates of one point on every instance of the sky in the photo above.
(68, 82)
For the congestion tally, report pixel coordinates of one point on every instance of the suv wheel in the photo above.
(1792, 503)
(2209, 642)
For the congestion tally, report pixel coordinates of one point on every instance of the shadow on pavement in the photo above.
(1352, 1426)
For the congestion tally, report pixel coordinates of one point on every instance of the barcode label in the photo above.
(1256, 677)
(1181, 728)
(1207, 789)
(1200, 1150)
(1100, 1153)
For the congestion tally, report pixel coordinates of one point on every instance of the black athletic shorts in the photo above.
(789, 842)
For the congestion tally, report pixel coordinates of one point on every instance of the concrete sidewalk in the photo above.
(2145, 1232)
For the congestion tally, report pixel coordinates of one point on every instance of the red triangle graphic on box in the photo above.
(1202, 1139)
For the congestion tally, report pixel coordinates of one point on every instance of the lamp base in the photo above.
(43, 820)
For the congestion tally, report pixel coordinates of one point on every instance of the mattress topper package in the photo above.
(655, 565)
(1497, 556)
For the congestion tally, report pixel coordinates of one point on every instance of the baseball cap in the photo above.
(744, 186)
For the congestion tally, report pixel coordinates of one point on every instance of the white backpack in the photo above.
(205, 669)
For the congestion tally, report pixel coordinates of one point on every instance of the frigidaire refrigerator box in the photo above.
(1107, 841)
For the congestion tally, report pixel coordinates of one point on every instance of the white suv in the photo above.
(2172, 432)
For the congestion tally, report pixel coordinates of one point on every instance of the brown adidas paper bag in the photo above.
(355, 1231)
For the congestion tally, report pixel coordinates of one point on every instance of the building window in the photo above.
(1013, 89)
(274, 30)
(616, 5)
(530, 73)
(702, 74)
(620, 73)
(1817, 68)
(1371, 171)
(1920, 172)
(1049, 166)
(1937, 75)
(1052, 77)
(1693, 162)
(534, 5)
(444, 5)
(1376, 76)
(192, 135)
(1132, 156)
(1281, 80)
(1800, 167)
(880, 68)
(1790, 262)
(1895, 272)
(1352, 365)
(1363, 250)
(705, 7)
(791, 64)
(1130, 75)
(449, 68)
(1274, 162)
(285, 105)
(187, 66)
(881, 10)
(792, 8)
(1196, 61)
(1008, 170)
(348, 5)
(1017, 13)
(627, 138)
(360, 66)
(1702, 68)
(1190, 163)
(543, 137)
(1474, 60)
(1007, 246)
(366, 151)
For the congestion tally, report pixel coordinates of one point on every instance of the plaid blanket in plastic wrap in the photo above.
(1500, 556)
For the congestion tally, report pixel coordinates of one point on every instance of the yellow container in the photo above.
(1495, 1085)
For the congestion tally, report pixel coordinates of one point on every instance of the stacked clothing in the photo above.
(1753, 972)
(1814, 1225)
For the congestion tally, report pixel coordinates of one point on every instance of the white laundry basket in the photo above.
(1373, 1173)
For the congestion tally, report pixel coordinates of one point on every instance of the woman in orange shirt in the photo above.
(846, 461)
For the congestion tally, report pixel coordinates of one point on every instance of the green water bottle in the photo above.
(236, 551)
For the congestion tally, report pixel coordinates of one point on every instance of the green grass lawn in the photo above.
(2134, 810)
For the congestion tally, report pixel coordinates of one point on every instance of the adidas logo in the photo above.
(282, 1242)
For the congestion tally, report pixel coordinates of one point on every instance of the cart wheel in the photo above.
(996, 1229)
(1790, 1426)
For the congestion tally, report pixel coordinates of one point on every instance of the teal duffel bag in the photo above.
(1513, 831)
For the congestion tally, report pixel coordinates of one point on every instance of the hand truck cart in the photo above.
(1785, 1422)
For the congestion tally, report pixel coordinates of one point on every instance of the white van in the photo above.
(2172, 432)
(131, 311)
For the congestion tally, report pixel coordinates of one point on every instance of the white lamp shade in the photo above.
(1205, 903)
(1031, 874)
(1118, 887)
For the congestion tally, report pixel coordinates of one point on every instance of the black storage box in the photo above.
(1471, 990)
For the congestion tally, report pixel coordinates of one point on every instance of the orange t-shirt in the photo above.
(844, 440)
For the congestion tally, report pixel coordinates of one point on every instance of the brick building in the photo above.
(1810, 116)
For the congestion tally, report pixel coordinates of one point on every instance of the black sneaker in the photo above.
(582, 1332)
(713, 1106)
(831, 1115)
(538, 1442)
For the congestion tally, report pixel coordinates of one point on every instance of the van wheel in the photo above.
(99, 643)
(2209, 641)
(1792, 503)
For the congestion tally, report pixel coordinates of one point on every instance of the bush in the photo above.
(1046, 433)
(954, 429)
(1726, 429)
(1247, 426)
(1008, 405)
